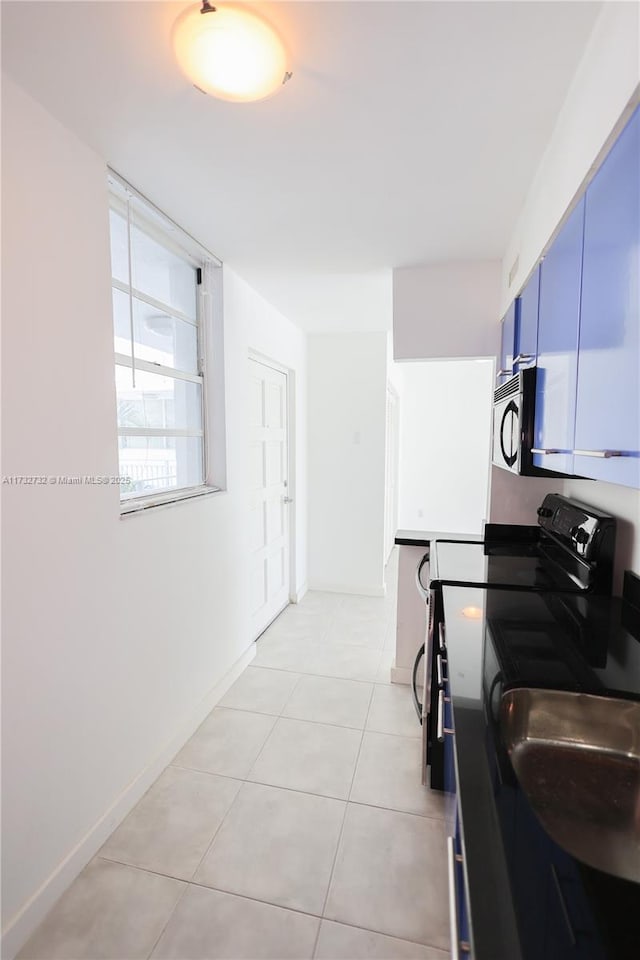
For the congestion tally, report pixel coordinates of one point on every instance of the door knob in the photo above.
(287, 499)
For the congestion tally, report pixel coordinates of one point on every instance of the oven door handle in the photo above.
(441, 730)
(414, 683)
(422, 590)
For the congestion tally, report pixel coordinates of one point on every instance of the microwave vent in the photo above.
(509, 389)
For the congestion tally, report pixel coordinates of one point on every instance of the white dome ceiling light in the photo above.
(230, 52)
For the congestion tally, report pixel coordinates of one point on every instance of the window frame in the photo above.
(173, 238)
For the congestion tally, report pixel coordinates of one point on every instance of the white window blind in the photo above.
(159, 288)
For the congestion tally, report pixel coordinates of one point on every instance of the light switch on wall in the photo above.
(356, 438)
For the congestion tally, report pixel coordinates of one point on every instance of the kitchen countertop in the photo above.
(612, 664)
(422, 538)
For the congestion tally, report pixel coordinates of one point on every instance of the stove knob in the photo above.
(579, 535)
(544, 512)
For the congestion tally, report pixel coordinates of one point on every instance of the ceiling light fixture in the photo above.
(230, 52)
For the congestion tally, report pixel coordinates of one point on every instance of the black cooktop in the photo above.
(518, 566)
(565, 641)
(570, 549)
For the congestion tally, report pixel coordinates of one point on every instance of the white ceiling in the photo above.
(409, 133)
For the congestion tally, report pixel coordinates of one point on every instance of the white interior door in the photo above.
(269, 494)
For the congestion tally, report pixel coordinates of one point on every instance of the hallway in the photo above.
(291, 825)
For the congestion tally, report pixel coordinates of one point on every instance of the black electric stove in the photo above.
(570, 550)
(528, 896)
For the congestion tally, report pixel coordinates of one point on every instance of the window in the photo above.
(160, 281)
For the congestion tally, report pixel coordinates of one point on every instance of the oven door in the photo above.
(422, 686)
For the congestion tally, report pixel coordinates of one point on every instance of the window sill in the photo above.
(140, 505)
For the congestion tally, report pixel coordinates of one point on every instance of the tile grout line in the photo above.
(345, 647)
(266, 903)
(324, 723)
(216, 832)
(293, 690)
(364, 730)
(243, 781)
(294, 789)
(162, 932)
(325, 676)
(309, 793)
(264, 713)
(390, 936)
(262, 748)
(344, 818)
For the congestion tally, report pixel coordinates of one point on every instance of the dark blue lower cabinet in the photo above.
(458, 906)
(464, 936)
(505, 792)
(449, 759)
(529, 873)
(571, 929)
(554, 919)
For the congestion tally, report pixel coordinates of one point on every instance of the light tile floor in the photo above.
(291, 825)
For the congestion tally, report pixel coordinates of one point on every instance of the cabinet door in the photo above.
(608, 399)
(572, 930)
(558, 315)
(529, 872)
(507, 343)
(463, 918)
(527, 326)
(450, 785)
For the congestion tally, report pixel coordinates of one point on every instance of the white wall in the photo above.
(445, 440)
(606, 80)
(515, 499)
(117, 634)
(347, 377)
(444, 310)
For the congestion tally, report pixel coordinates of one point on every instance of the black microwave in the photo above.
(514, 404)
(513, 420)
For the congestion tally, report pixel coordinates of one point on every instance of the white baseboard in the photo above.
(299, 594)
(401, 674)
(359, 589)
(22, 924)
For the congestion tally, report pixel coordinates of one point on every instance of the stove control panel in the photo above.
(579, 527)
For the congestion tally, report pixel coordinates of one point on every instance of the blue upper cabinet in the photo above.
(558, 320)
(526, 339)
(507, 343)
(608, 399)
